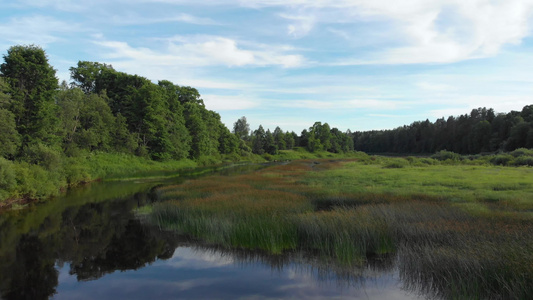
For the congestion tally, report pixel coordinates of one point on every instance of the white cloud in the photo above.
(448, 31)
(434, 87)
(310, 104)
(301, 24)
(65, 5)
(441, 31)
(40, 30)
(202, 51)
(225, 103)
(136, 19)
(349, 104)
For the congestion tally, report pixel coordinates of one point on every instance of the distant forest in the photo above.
(105, 110)
(481, 131)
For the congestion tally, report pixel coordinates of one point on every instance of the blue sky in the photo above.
(355, 64)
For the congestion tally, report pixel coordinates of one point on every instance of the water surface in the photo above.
(89, 244)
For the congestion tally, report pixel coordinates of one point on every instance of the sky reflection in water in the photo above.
(195, 273)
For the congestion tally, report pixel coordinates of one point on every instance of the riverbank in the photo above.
(22, 183)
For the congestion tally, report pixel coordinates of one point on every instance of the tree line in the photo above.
(102, 110)
(319, 137)
(106, 110)
(481, 131)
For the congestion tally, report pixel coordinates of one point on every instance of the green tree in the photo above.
(279, 139)
(319, 137)
(198, 130)
(32, 85)
(69, 102)
(290, 140)
(241, 129)
(5, 99)
(88, 76)
(178, 135)
(258, 140)
(9, 137)
(122, 139)
(96, 123)
(480, 137)
(270, 146)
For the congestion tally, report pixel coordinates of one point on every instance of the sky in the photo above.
(354, 64)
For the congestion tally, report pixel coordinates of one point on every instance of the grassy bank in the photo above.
(461, 230)
(48, 172)
(21, 181)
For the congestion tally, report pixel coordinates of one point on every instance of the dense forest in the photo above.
(54, 135)
(481, 131)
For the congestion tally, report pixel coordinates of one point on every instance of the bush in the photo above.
(446, 155)
(7, 178)
(522, 152)
(42, 155)
(34, 181)
(501, 159)
(76, 172)
(523, 161)
(268, 157)
(206, 160)
(396, 163)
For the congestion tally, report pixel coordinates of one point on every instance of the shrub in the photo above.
(446, 155)
(522, 152)
(7, 178)
(501, 159)
(34, 181)
(76, 172)
(523, 161)
(396, 163)
(43, 155)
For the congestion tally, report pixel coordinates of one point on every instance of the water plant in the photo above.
(446, 223)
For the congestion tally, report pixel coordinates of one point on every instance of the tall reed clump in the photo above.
(348, 235)
(447, 252)
(233, 214)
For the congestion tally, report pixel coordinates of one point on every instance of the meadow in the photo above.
(459, 230)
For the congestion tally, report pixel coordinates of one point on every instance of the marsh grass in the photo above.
(460, 231)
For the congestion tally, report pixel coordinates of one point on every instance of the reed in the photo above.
(459, 231)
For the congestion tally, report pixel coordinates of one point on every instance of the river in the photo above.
(90, 244)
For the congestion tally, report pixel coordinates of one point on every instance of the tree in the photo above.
(5, 99)
(88, 76)
(178, 135)
(122, 139)
(279, 139)
(319, 137)
(9, 137)
(258, 141)
(32, 85)
(290, 140)
(198, 130)
(96, 123)
(241, 129)
(69, 102)
(270, 146)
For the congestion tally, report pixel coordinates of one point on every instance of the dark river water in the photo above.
(90, 244)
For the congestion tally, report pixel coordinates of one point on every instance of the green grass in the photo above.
(508, 188)
(470, 225)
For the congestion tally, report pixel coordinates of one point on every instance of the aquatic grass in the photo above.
(447, 224)
(348, 235)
